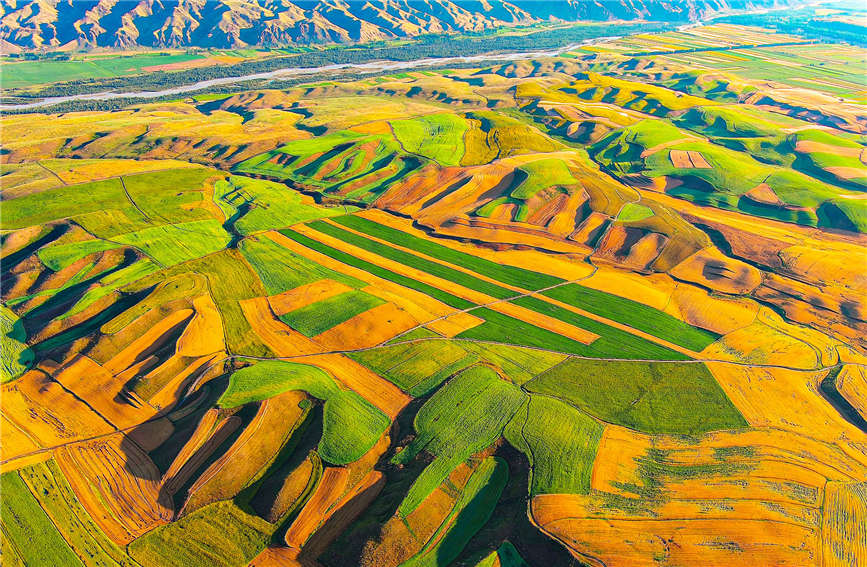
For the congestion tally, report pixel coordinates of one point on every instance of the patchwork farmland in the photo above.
(595, 309)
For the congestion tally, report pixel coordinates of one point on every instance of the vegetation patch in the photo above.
(560, 442)
(653, 397)
(463, 417)
(351, 425)
(218, 534)
(318, 317)
(35, 540)
(636, 315)
(511, 275)
(16, 355)
(281, 269)
(439, 137)
(470, 513)
(350, 260)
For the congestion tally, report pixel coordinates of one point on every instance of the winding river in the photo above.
(289, 72)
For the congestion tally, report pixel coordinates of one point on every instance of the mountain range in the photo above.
(77, 24)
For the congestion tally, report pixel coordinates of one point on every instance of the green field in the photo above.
(511, 275)
(541, 174)
(21, 74)
(254, 205)
(318, 317)
(281, 269)
(439, 137)
(219, 534)
(634, 314)
(654, 397)
(419, 367)
(413, 261)
(463, 417)
(561, 443)
(34, 539)
(470, 513)
(16, 356)
(351, 425)
(348, 259)
(47, 483)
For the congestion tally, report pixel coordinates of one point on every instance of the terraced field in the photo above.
(597, 309)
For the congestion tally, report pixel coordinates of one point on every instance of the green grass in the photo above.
(824, 137)
(419, 367)
(470, 513)
(62, 202)
(172, 244)
(351, 425)
(60, 256)
(652, 397)
(634, 314)
(542, 174)
(413, 261)
(269, 378)
(318, 317)
(413, 335)
(732, 121)
(280, 269)
(350, 260)
(171, 195)
(560, 442)
(56, 497)
(219, 534)
(439, 137)
(633, 212)
(505, 273)
(612, 343)
(30, 73)
(254, 205)
(29, 530)
(16, 356)
(461, 418)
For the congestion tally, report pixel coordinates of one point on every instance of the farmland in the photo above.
(605, 307)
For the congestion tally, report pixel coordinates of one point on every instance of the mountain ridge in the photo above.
(77, 24)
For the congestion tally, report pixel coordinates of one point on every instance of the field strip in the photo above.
(500, 305)
(431, 304)
(427, 257)
(366, 383)
(616, 325)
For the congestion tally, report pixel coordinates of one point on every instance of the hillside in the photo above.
(64, 24)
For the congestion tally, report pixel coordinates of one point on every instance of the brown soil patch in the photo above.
(305, 295)
(809, 147)
(118, 484)
(367, 329)
(762, 193)
(847, 172)
(370, 386)
(680, 159)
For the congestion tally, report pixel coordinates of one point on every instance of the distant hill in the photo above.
(75, 24)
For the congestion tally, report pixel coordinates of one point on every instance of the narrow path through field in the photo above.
(43, 166)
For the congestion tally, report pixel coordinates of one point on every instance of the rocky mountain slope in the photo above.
(58, 24)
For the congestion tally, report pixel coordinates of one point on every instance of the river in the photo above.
(289, 72)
